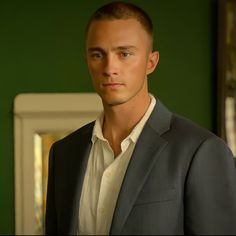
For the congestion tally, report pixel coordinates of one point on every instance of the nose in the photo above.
(110, 66)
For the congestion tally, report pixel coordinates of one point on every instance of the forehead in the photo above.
(107, 32)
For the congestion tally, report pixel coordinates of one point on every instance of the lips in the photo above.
(112, 85)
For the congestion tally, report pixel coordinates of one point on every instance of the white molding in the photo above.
(35, 113)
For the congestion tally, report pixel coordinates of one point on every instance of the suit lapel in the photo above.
(147, 151)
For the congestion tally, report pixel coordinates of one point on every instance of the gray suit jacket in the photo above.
(181, 179)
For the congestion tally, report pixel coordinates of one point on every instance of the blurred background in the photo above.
(42, 48)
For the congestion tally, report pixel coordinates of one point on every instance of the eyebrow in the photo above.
(128, 47)
(95, 49)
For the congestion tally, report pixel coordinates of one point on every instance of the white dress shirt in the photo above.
(104, 176)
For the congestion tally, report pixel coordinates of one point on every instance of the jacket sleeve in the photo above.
(210, 190)
(51, 216)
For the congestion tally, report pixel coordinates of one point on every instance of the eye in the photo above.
(125, 54)
(97, 55)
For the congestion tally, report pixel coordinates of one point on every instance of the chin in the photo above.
(113, 101)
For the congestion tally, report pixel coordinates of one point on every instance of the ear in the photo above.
(152, 62)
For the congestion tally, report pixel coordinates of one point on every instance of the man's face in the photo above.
(119, 58)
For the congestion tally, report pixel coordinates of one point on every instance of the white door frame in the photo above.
(35, 113)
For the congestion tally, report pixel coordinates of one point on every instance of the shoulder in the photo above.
(170, 125)
(190, 139)
(80, 135)
(179, 131)
(190, 131)
(173, 126)
(188, 127)
(202, 142)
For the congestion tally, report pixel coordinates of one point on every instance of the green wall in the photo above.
(41, 50)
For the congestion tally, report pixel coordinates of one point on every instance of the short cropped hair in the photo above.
(119, 10)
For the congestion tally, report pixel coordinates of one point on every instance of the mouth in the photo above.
(112, 85)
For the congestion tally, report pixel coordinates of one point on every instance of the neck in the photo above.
(120, 120)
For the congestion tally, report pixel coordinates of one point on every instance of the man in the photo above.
(138, 169)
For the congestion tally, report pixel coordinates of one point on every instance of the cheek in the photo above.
(91, 68)
(137, 73)
(138, 67)
(95, 71)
